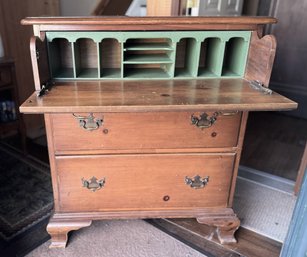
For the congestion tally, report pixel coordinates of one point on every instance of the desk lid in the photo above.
(157, 95)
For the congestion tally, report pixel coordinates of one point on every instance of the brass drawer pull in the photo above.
(93, 184)
(88, 122)
(197, 182)
(204, 121)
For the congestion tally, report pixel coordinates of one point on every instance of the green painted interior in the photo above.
(147, 55)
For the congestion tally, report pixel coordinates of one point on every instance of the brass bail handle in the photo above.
(93, 184)
(197, 182)
(204, 121)
(89, 122)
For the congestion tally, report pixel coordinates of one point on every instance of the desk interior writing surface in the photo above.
(155, 95)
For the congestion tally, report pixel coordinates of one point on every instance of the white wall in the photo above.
(77, 7)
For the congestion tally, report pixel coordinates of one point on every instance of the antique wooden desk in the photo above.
(145, 117)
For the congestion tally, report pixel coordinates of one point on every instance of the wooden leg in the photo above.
(59, 228)
(227, 225)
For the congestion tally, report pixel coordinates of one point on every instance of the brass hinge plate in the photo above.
(257, 85)
(45, 88)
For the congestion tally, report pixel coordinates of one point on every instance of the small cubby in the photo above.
(61, 58)
(234, 57)
(144, 50)
(148, 58)
(141, 44)
(186, 57)
(86, 58)
(210, 58)
(145, 71)
(110, 57)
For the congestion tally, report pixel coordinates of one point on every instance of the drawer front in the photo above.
(5, 76)
(163, 130)
(143, 182)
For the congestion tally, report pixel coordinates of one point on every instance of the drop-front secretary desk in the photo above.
(145, 117)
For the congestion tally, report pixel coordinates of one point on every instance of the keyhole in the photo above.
(166, 198)
(213, 134)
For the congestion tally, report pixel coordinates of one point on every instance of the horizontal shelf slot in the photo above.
(147, 58)
(147, 46)
(147, 71)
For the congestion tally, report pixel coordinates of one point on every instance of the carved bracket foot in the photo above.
(59, 228)
(227, 224)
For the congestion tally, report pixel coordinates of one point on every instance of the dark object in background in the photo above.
(7, 111)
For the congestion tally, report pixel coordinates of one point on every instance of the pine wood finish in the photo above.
(150, 130)
(126, 177)
(147, 142)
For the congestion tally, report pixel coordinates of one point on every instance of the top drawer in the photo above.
(137, 131)
(5, 76)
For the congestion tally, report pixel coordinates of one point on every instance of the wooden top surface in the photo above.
(124, 23)
(164, 95)
(154, 20)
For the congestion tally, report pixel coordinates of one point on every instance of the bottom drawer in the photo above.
(143, 182)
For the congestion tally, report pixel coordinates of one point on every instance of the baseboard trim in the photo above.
(266, 179)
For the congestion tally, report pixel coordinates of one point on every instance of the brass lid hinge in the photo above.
(45, 88)
(257, 85)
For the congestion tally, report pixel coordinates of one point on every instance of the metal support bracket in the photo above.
(257, 85)
(45, 88)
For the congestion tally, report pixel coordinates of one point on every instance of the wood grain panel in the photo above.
(141, 182)
(259, 66)
(144, 131)
(124, 20)
(39, 59)
(155, 95)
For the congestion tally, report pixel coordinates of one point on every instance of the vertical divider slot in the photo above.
(235, 57)
(187, 54)
(110, 58)
(211, 57)
(61, 58)
(86, 59)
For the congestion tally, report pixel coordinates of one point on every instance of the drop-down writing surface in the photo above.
(141, 96)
